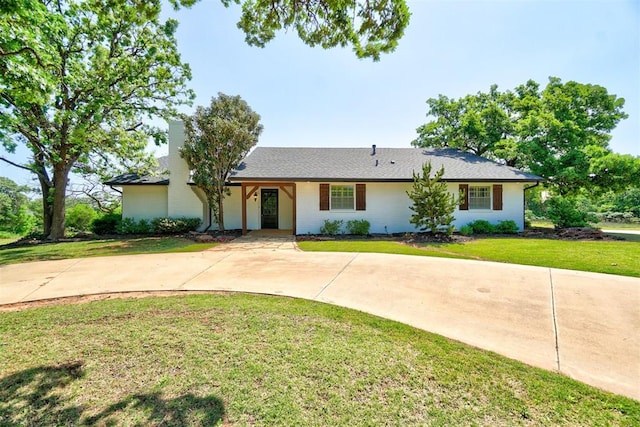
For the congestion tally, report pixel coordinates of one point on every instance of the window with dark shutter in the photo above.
(361, 197)
(497, 197)
(324, 197)
(464, 197)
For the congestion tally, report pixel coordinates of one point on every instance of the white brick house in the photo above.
(298, 188)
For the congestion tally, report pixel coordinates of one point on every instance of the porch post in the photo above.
(294, 209)
(244, 209)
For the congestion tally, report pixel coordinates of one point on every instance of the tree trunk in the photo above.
(60, 179)
(220, 212)
(47, 205)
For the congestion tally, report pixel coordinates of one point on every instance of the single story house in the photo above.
(298, 188)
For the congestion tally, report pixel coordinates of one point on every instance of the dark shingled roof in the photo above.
(360, 164)
(161, 178)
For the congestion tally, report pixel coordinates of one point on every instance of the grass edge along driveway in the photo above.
(240, 359)
(99, 247)
(611, 257)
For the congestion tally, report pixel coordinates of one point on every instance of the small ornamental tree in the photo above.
(432, 203)
(218, 137)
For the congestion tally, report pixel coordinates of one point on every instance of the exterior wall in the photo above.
(182, 200)
(388, 208)
(232, 206)
(512, 206)
(144, 201)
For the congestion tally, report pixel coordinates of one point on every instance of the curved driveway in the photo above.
(584, 325)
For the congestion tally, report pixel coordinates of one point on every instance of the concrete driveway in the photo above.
(583, 325)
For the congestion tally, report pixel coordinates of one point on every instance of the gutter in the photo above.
(117, 191)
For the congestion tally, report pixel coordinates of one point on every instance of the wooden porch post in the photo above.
(244, 209)
(294, 209)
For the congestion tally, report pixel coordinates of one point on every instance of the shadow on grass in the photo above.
(32, 397)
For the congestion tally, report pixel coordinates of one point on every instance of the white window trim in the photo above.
(490, 198)
(353, 189)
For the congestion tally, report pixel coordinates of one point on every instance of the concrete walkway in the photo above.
(584, 325)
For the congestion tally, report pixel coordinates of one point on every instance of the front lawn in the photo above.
(256, 360)
(613, 257)
(103, 247)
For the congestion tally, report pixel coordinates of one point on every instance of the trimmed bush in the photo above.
(358, 227)
(106, 224)
(80, 217)
(481, 226)
(466, 230)
(174, 225)
(331, 228)
(564, 213)
(507, 227)
(131, 226)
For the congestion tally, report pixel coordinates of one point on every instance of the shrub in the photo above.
(331, 228)
(174, 225)
(106, 224)
(131, 226)
(80, 216)
(564, 213)
(507, 227)
(359, 227)
(481, 226)
(466, 230)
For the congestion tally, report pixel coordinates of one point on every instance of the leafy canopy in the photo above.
(433, 205)
(560, 133)
(371, 27)
(80, 81)
(218, 137)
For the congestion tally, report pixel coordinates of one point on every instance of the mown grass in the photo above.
(65, 250)
(256, 360)
(612, 257)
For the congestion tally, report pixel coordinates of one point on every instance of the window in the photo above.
(342, 197)
(479, 197)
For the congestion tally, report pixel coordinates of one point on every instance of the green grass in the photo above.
(621, 258)
(64, 250)
(256, 360)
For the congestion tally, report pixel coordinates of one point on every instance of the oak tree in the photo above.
(217, 138)
(80, 90)
(561, 132)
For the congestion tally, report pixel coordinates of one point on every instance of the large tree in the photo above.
(81, 98)
(78, 77)
(561, 132)
(218, 137)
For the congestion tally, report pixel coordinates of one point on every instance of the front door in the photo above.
(269, 212)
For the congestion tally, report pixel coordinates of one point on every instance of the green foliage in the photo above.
(80, 217)
(359, 227)
(106, 224)
(15, 216)
(481, 226)
(80, 80)
(371, 28)
(507, 227)
(331, 228)
(432, 203)
(174, 225)
(560, 133)
(466, 230)
(218, 137)
(564, 212)
(131, 226)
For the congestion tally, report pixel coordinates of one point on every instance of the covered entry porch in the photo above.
(268, 206)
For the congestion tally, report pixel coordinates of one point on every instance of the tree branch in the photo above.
(16, 164)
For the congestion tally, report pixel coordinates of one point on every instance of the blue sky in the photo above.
(314, 97)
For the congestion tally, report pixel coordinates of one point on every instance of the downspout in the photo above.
(524, 200)
(117, 191)
(208, 226)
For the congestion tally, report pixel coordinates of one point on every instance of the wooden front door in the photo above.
(269, 210)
